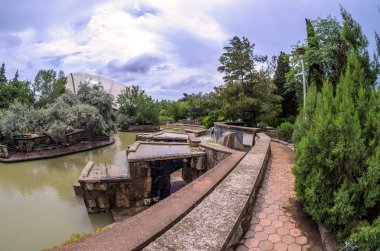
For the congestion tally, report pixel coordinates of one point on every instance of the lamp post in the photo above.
(301, 52)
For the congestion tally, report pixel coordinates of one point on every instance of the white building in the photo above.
(111, 86)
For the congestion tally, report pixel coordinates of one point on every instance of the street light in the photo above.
(301, 52)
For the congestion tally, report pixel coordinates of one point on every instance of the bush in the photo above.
(208, 121)
(337, 171)
(285, 131)
(164, 119)
(276, 122)
(262, 126)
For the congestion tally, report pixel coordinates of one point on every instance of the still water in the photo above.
(38, 207)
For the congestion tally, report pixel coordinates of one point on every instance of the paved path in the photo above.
(278, 222)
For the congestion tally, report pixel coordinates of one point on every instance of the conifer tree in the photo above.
(289, 102)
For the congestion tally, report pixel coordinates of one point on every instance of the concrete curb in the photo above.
(60, 152)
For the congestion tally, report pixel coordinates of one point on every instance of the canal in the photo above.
(38, 207)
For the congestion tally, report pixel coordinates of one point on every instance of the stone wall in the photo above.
(142, 128)
(3, 151)
(225, 214)
(29, 144)
(76, 137)
(103, 194)
(235, 136)
(151, 179)
(44, 142)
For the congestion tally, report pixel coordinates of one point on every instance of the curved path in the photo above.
(278, 222)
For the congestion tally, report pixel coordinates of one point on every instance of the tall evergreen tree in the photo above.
(247, 93)
(3, 78)
(289, 102)
(315, 72)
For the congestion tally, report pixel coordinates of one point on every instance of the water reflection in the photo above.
(38, 207)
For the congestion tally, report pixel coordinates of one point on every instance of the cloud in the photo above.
(139, 11)
(139, 64)
(167, 47)
(7, 41)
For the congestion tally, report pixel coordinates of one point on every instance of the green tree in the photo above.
(48, 86)
(179, 110)
(17, 119)
(3, 78)
(289, 104)
(95, 95)
(247, 93)
(337, 145)
(136, 107)
(315, 72)
(14, 89)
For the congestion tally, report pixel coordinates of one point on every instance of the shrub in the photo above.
(285, 131)
(262, 126)
(208, 121)
(337, 171)
(163, 119)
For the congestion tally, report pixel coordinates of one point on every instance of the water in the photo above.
(38, 207)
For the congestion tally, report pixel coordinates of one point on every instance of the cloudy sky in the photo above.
(168, 47)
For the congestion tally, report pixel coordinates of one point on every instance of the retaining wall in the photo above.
(222, 218)
(210, 213)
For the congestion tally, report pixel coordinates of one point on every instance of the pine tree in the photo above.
(247, 93)
(315, 73)
(3, 78)
(289, 102)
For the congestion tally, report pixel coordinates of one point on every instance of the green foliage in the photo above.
(95, 95)
(209, 120)
(248, 94)
(13, 90)
(366, 235)
(275, 121)
(75, 238)
(48, 85)
(337, 169)
(289, 104)
(136, 107)
(18, 119)
(165, 119)
(285, 131)
(262, 126)
(179, 110)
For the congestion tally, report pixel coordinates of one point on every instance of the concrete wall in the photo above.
(43, 142)
(235, 136)
(138, 231)
(3, 151)
(220, 220)
(142, 128)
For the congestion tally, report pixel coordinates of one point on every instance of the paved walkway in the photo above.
(278, 222)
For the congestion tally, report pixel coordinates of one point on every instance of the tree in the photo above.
(315, 72)
(247, 93)
(3, 78)
(48, 86)
(95, 95)
(136, 107)
(14, 89)
(289, 104)
(18, 119)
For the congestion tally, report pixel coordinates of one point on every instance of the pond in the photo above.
(38, 207)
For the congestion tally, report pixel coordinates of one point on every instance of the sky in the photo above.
(167, 47)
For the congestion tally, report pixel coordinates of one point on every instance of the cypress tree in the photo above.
(315, 72)
(289, 103)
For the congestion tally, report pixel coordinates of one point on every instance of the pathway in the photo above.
(278, 222)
